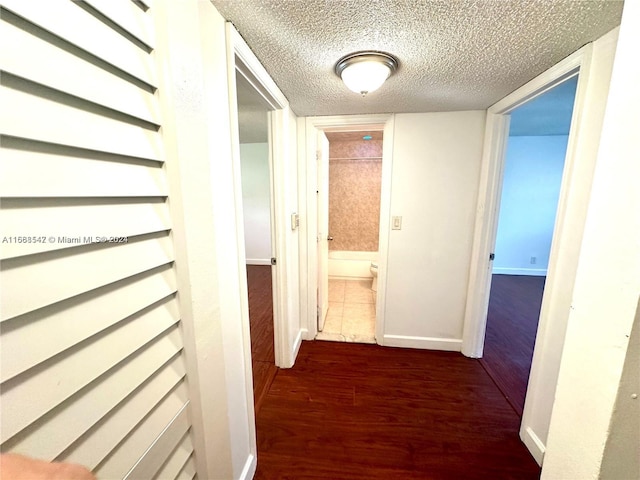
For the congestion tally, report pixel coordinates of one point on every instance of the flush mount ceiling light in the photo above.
(364, 72)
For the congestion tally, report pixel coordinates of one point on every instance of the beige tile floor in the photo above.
(352, 312)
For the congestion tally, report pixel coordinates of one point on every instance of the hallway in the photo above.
(364, 411)
(354, 411)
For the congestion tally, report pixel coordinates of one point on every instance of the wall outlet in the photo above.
(534, 260)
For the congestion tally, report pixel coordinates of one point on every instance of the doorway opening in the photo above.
(315, 172)
(257, 211)
(349, 199)
(533, 171)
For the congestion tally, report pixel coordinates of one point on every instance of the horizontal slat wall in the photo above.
(168, 415)
(129, 17)
(110, 304)
(82, 268)
(71, 23)
(94, 128)
(58, 431)
(54, 63)
(178, 459)
(188, 472)
(80, 222)
(91, 362)
(71, 172)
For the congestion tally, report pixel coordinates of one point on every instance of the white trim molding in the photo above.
(250, 467)
(308, 204)
(533, 443)
(425, 343)
(242, 61)
(593, 64)
(488, 205)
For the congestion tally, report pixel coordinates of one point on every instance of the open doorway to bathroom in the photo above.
(533, 172)
(354, 197)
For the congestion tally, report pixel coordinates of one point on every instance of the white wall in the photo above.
(530, 191)
(256, 202)
(621, 459)
(607, 287)
(210, 263)
(436, 166)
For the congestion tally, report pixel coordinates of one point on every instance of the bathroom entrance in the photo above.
(349, 199)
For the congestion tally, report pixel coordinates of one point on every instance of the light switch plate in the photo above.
(295, 221)
(396, 223)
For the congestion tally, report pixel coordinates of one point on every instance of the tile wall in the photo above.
(355, 173)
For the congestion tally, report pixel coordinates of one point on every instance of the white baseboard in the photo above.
(425, 343)
(533, 272)
(296, 347)
(533, 444)
(258, 261)
(305, 334)
(249, 469)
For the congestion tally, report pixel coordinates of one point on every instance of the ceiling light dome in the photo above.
(364, 72)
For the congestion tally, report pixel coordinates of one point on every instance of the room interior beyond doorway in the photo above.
(354, 194)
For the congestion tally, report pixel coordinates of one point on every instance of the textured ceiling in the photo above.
(453, 54)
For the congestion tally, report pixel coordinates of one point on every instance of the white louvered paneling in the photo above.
(146, 3)
(22, 402)
(94, 447)
(171, 410)
(92, 130)
(26, 341)
(53, 66)
(188, 471)
(129, 17)
(109, 404)
(88, 221)
(60, 275)
(91, 363)
(178, 459)
(162, 447)
(70, 22)
(87, 174)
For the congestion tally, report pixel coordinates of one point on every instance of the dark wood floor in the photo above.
(354, 411)
(512, 322)
(261, 324)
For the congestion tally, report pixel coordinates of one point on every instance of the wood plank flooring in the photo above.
(512, 322)
(354, 411)
(259, 286)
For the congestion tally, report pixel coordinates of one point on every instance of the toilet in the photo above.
(374, 272)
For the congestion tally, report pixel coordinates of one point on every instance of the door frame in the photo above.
(242, 61)
(322, 245)
(308, 178)
(570, 220)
